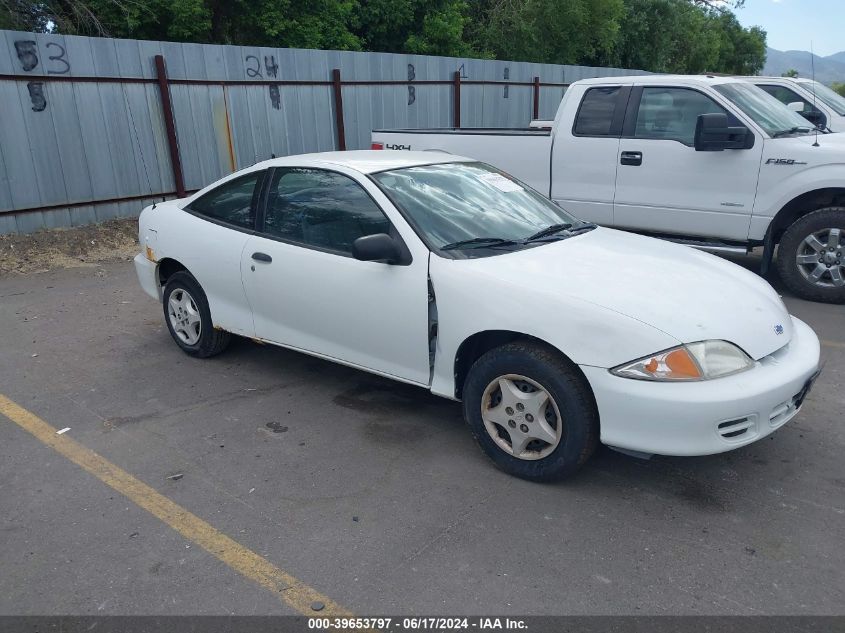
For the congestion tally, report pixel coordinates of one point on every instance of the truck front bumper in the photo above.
(711, 416)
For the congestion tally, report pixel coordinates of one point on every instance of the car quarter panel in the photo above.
(212, 254)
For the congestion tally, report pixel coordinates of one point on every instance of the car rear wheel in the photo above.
(531, 411)
(811, 256)
(188, 317)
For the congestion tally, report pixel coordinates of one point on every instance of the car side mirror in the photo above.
(713, 134)
(376, 248)
(817, 118)
(796, 106)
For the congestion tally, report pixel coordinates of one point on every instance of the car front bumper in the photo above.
(713, 416)
(147, 276)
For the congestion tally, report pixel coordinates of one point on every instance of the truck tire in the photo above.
(531, 411)
(811, 256)
(188, 317)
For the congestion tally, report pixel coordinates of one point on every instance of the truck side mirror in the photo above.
(816, 117)
(713, 134)
(796, 106)
(376, 248)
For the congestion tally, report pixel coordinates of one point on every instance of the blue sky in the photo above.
(791, 24)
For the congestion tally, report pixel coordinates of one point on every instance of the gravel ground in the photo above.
(69, 248)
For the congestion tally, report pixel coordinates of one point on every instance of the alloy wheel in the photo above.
(184, 316)
(821, 258)
(521, 417)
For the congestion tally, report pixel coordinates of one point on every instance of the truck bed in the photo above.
(522, 152)
(496, 131)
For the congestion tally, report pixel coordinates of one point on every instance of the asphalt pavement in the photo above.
(371, 492)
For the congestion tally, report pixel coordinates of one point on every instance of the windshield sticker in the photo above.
(500, 182)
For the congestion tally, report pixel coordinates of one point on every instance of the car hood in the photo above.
(689, 295)
(830, 148)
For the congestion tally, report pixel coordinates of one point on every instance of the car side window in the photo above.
(672, 114)
(322, 209)
(233, 202)
(596, 112)
(787, 96)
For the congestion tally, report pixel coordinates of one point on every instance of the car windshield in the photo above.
(827, 96)
(766, 111)
(473, 205)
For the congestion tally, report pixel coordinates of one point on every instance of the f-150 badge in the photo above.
(784, 161)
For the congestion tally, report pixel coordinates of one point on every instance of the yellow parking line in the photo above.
(290, 590)
(832, 344)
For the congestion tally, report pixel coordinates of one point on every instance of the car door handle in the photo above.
(262, 257)
(631, 158)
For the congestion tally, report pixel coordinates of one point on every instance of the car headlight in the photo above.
(694, 361)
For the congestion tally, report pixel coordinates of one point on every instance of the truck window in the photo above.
(596, 112)
(672, 113)
(787, 96)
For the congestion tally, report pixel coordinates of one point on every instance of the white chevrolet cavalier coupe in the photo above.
(448, 274)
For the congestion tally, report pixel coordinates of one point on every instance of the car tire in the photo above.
(491, 408)
(806, 263)
(188, 317)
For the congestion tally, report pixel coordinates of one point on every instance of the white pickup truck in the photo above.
(713, 162)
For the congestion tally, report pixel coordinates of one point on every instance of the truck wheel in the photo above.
(811, 256)
(189, 319)
(531, 411)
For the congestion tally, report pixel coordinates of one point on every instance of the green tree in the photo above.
(429, 27)
(790, 73)
(551, 31)
(289, 23)
(741, 51)
(838, 87)
(680, 36)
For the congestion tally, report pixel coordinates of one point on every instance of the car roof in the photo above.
(661, 80)
(366, 161)
(773, 78)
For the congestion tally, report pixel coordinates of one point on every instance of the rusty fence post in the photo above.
(536, 98)
(169, 126)
(338, 109)
(456, 94)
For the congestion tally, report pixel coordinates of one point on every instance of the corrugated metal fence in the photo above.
(94, 128)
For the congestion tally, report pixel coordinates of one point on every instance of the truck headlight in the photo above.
(694, 361)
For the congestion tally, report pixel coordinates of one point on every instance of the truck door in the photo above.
(585, 155)
(664, 185)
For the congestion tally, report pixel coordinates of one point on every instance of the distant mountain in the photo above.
(838, 57)
(828, 69)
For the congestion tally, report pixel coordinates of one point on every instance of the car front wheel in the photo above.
(531, 411)
(188, 317)
(811, 256)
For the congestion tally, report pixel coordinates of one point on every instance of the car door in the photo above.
(584, 156)
(209, 236)
(308, 292)
(664, 185)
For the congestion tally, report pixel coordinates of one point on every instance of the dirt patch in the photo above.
(90, 245)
